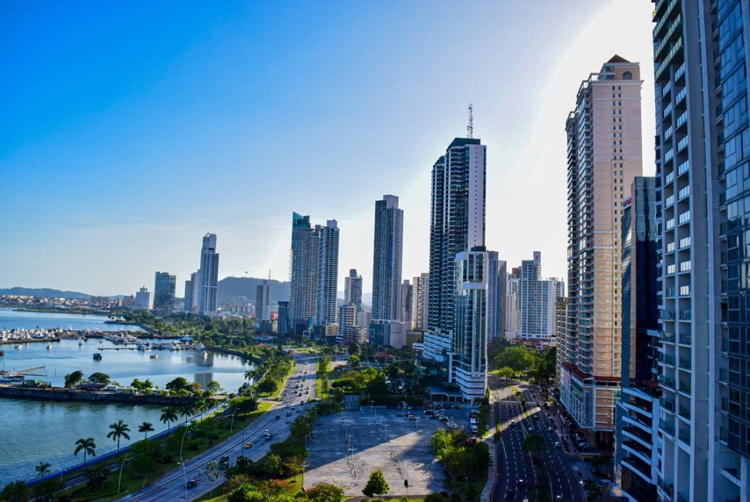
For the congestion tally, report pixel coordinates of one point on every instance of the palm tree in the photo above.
(87, 445)
(119, 430)
(186, 411)
(145, 428)
(42, 469)
(249, 374)
(168, 415)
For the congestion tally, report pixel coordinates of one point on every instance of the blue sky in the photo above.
(130, 129)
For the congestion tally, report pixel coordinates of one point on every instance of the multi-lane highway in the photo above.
(299, 388)
(514, 467)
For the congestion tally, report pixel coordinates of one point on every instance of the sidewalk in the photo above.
(489, 440)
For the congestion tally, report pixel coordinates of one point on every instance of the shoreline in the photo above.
(62, 394)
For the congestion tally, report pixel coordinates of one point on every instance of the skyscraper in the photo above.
(604, 155)
(164, 290)
(187, 303)
(636, 452)
(406, 300)
(142, 298)
(537, 298)
(497, 279)
(456, 247)
(513, 304)
(283, 326)
(387, 254)
(209, 276)
(304, 273)
(470, 344)
(353, 288)
(263, 301)
(419, 301)
(328, 273)
(702, 147)
(456, 221)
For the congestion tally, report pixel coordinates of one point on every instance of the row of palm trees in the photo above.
(120, 430)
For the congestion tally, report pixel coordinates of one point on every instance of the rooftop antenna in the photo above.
(269, 275)
(470, 126)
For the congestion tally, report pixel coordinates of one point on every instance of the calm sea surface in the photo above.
(31, 431)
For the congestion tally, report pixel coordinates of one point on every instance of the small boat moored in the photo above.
(97, 357)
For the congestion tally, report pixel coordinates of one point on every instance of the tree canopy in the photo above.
(376, 485)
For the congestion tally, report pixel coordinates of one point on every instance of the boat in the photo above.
(154, 356)
(19, 347)
(2, 353)
(49, 346)
(204, 354)
(80, 343)
(97, 357)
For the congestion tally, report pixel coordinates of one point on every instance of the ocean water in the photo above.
(35, 431)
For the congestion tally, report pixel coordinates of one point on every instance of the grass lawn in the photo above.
(216, 426)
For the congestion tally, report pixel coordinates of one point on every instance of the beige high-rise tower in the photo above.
(604, 155)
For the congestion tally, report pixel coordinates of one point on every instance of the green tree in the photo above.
(118, 430)
(42, 469)
(73, 379)
(353, 361)
(187, 412)
(177, 384)
(516, 357)
(99, 377)
(145, 428)
(16, 491)
(325, 492)
(506, 373)
(354, 349)
(168, 415)
(376, 485)
(214, 387)
(87, 446)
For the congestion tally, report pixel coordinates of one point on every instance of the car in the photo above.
(509, 494)
(278, 417)
(512, 422)
(192, 483)
(521, 483)
(248, 446)
(558, 444)
(530, 429)
(433, 417)
(549, 429)
(474, 429)
(558, 497)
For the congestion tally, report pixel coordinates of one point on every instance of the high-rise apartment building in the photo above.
(456, 222)
(353, 287)
(387, 256)
(470, 343)
(537, 298)
(604, 155)
(561, 316)
(187, 302)
(283, 326)
(164, 292)
(328, 272)
(636, 451)
(419, 302)
(513, 304)
(702, 151)
(263, 301)
(209, 276)
(304, 273)
(142, 298)
(497, 279)
(405, 298)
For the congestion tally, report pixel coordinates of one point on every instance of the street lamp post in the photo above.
(182, 461)
(119, 478)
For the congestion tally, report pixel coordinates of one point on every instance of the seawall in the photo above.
(62, 394)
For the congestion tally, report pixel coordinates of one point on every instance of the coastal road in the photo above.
(514, 464)
(299, 387)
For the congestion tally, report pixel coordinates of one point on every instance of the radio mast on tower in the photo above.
(470, 126)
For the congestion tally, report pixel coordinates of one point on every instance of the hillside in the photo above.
(44, 293)
(241, 290)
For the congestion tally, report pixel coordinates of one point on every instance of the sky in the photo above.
(130, 129)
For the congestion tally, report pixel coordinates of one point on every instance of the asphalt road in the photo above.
(173, 486)
(514, 464)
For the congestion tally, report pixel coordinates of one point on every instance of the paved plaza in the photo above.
(348, 446)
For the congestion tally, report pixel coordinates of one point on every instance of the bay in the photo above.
(36, 431)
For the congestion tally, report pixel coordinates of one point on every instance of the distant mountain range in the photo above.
(232, 291)
(44, 292)
(241, 290)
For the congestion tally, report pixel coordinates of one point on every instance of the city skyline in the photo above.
(59, 154)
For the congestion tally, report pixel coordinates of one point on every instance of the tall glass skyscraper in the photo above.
(703, 184)
(304, 273)
(208, 276)
(328, 272)
(386, 260)
(164, 292)
(497, 279)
